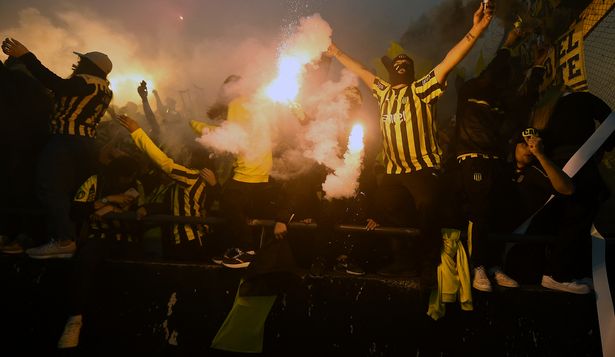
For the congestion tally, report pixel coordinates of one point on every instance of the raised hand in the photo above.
(127, 122)
(534, 143)
(142, 90)
(13, 48)
(483, 17)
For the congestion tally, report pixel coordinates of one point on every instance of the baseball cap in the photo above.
(100, 59)
(527, 132)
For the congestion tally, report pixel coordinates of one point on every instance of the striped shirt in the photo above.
(407, 123)
(188, 192)
(80, 101)
(88, 193)
(80, 115)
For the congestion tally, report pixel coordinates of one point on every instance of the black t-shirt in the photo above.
(526, 192)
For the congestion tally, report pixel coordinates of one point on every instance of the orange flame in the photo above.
(124, 86)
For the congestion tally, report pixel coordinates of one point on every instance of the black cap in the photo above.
(527, 132)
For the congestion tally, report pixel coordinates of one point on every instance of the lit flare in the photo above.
(285, 87)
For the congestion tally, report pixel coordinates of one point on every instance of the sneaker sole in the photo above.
(60, 256)
(13, 251)
(559, 288)
(237, 266)
(506, 285)
(354, 273)
(485, 289)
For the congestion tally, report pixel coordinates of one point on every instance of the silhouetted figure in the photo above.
(69, 157)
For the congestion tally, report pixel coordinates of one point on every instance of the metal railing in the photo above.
(160, 219)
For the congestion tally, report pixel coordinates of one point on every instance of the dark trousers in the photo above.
(480, 179)
(240, 201)
(423, 187)
(64, 164)
(570, 219)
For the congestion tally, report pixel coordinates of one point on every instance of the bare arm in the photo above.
(482, 19)
(352, 65)
(147, 109)
(561, 182)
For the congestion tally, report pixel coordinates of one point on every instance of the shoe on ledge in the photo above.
(573, 287)
(481, 280)
(502, 279)
(53, 249)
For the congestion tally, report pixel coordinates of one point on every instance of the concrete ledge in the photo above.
(139, 305)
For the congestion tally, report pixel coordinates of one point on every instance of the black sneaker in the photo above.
(242, 260)
(354, 269)
(345, 264)
(228, 254)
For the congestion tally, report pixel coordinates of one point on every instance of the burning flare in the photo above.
(310, 39)
(285, 87)
(344, 181)
(355, 141)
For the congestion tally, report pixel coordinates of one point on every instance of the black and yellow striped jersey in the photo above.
(407, 123)
(80, 101)
(188, 193)
(88, 193)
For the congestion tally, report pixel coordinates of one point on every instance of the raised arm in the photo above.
(147, 109)
(352, 65)
(482, 19)
(50, 80)
(561, 182)
(177, 172)
(160, 108)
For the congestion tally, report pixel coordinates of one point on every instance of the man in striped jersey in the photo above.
(411, 152)
(188, 195)
(68, 158)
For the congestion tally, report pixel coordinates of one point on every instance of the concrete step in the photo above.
(170, 309)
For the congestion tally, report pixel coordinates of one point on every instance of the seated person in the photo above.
(534, 179)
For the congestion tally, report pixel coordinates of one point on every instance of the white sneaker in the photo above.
(568, 286)
(502, 279)
(53, 249)
(12, 248)
(481, 281)
(70, 336)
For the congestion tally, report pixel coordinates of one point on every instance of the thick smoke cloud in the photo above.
(175, 64)
(274, 124)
